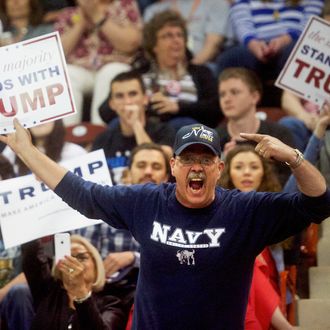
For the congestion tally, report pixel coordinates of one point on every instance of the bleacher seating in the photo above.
(313, 313)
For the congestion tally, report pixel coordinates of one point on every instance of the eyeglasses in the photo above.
(188, 160)
(170, 35)
(82, 257)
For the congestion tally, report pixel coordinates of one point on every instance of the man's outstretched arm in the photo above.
(309, 180)
(42, 166)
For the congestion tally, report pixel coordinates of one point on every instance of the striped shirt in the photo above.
(267, 20)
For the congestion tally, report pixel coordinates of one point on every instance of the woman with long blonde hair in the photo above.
(73, 295)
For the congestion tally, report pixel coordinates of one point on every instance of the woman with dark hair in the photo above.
(246, 170)
(179, 91)
(268, 181)
(50, 138)
(23, 19)
(6, 169)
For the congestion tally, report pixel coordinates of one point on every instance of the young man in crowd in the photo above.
(240, 91)
(198, 241)
(129, 100)
(148, 163)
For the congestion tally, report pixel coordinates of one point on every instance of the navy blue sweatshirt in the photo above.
(196, 264)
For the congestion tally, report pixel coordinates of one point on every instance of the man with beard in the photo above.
(148, 163)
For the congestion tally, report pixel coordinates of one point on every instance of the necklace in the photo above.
(276, 14)
(269, 4)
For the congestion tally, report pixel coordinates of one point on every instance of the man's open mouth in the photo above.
(196, 184)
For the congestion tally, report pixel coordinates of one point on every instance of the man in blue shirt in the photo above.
(198, 241)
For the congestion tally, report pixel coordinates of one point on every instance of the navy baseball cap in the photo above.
(196, 134)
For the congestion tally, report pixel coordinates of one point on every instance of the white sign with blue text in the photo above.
(29, 210)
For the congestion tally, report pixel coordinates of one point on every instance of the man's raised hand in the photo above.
(271, 148)
(19, 140)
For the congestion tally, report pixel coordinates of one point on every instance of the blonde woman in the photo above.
(72, 296)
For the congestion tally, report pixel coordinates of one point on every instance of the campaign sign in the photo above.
(307, 70)
(34, 83)
(30, 210)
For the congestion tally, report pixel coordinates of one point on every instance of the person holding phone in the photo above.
(62, 246)
(73, 294)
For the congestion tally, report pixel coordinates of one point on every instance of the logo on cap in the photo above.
(200, 132)
(196, 134)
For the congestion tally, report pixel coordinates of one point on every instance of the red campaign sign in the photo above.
(307, 70)
(34, 83)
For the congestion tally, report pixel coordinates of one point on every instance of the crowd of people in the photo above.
(188, 240)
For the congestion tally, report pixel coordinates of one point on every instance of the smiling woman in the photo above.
(246, 170)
